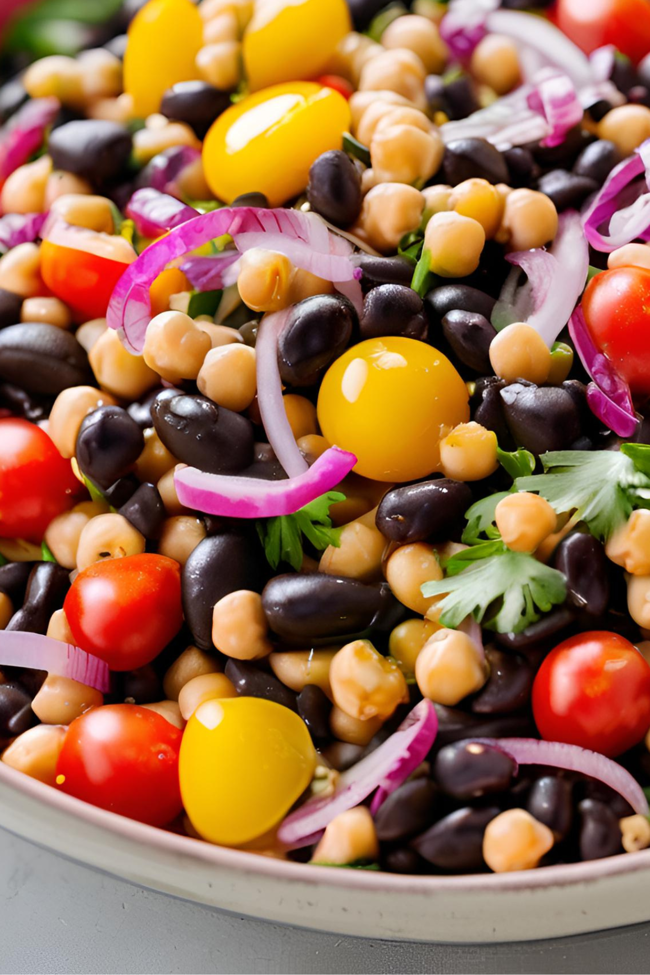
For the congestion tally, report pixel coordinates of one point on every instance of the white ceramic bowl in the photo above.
(546, 903)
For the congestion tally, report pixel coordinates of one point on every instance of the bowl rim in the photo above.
(255, 863)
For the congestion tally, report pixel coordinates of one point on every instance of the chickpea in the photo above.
(495, 63)
(627, 126)
(529, 219)
(469, 452)
(61, 700)
(57, 76)
(297, 668)
(6, 610)
(407, 640)
(304, 284)
(515, 840)
(62, 537)
(101, 73)
(351, 730)
(450, 667)
(364, 683)
(36, 752)
(239, 627)
(629, 546)
(190, 664)
(635, 255)
(68, 412)
(88, 333)
(561, 363)
(155, 460)
(116, 370)
(84, 210)
(220, 335)
(167, 491)
(362, 101)
(352, 54)
(220, 64)
(518, 351)
(436, 200)
(108, 536)
(20, 271)
(175, 346)
(24, 189)
(301, 414)
(242, 10)
(389, 211)
(420, 35)
(379, 113)
(359, 553)
(58, 627)
(407, 569)
(169, 710)
(405, 154)
(455, 244)
(223, 27)
(525, 520)
(478, 199)
(227, 376)
(349, 837)
(51, 311)
(635, 833)
(118, 109)
(191, 182)
(312, 446)
(205, 687)
(151, 141)
(398, 70)
(264, 279)
(60, 183)
(179, 537)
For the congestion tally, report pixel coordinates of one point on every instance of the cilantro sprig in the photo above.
(282, 536)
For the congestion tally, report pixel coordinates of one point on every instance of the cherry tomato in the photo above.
(616, 305)
(338, 83)
(124, 758)
(593, 23)
(593, 690)
(36, 482)
(83, 280)
(126, 610)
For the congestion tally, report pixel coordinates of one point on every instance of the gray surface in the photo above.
(56, 916)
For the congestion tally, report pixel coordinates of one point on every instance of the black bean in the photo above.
(16, 713)
(593, 789)
(10, 305)
(314, 708)
(196, 103)
(468, 158)
(540, 418)
(248, 332)
(141, 686)
(42, 358)
(550, 801)
(317, 332)
(334, 188)
(94, 148)
(362, 11)
(597, 160)
(401, 859)
(219, 565)
(450, 297)
(467, 770)
(566, 189)
(454, 725)
(145, 510)
(456, 98)
(119, 493)
(469, 335)
(428, 509)
(581, 558)
(117, 45)
(303, 607)
(456, 842)
(408, 811)
(383, 270)
(202, 434)
(509, 685)
(565, 154)
(393, 309)
(21, 403)
(342, 755)
(13, 579)
(251, 681)
(12, 96)
(108, 444)
(140, 411)
(600, 834)
(540, 635)
(488, 411)
(252, 199)
(521, 166)
(46, 589)
(598, 108)
(624, 74)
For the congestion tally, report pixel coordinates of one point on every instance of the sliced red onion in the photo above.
(37, 652)
(110, 246)
(249, 497)
(626, 223)
(23, 134)
(558, 754)
(302, 237)
(211, 273)
(463, 26)
(20, 228)
(602, 62)
(164, 169)
(384, 770)
(608, 396)
(554, 96)
(154, 212)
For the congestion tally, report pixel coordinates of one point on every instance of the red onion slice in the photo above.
(386, 768)
(555, 98)
(23, 134)
(248, 497)
(558, 754)
(626, 222)
(20, 228)
(154, 212)
(109, 246)
(164, 169)
(37, 652)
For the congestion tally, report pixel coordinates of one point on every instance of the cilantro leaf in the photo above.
(484, 550)
(422, 276)
(46, 553)
(517, 463)
(480, 517)
(505, 592)
(601, 485)
(282, 536)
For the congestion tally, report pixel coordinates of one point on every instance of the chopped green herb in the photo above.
(355, 148)
(480, 518)
(203, 206)
(94, 492)
(282, 537)
(3, 560)
(385, 17)
(423, 279)
(203, 303)
(517, 463)
(592, 272)
(47, 553)
(410, 246)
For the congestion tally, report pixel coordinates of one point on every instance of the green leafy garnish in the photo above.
(410, 246)
(385, 17)
(517, 463)
(592, 272)
(203, 303)
(423, 278)
(505, 591)
(355, 148)
(94, 492)
(480, 518)
(3, 560)
(602, 486)
(282, 536)
(47, 553)
(57, 26)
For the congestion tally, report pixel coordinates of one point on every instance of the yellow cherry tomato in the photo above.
(291, 39)
(164, 38)
(268, 141)
(391, 401)
(243, 763)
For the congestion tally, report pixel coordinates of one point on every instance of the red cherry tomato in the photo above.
(36, 482)
(593, 690)
(336, 82)
(616, 305)
(124, 758)
(83, 280)
(126, 610)
(593, 23)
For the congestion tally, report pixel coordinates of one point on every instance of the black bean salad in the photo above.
(324, 430)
